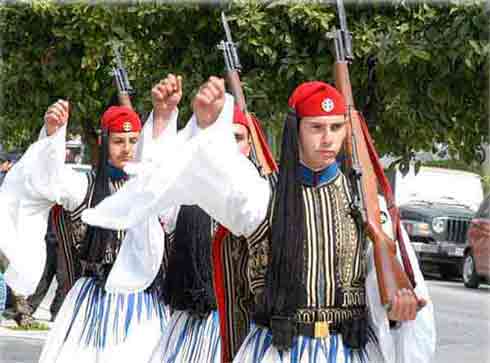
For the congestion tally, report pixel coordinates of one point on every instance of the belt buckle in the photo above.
(322, 329)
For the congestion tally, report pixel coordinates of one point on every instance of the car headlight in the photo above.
(421, 229)
(438, 225)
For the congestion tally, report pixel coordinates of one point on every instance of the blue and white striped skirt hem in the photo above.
(258, 348)
(188, 339)
(96, 326)
(3, 294)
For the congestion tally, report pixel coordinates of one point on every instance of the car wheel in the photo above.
(470, 277)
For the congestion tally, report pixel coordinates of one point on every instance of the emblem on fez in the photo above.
(327, 105)
(127, 126)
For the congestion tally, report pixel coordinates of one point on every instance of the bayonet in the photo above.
(227, 28)
(342, 37)
(124, 88)
(120, 73)
(232, 61)
(345, 34)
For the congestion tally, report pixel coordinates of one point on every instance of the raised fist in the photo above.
(209, 101)
(166, 96)
(56, 116)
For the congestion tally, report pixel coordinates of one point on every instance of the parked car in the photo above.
(436, 207)
(476, 263)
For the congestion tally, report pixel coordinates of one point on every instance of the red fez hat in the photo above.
(239, 117)
(120, 119)
(316, 98)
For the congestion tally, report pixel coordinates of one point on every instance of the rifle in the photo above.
(364, 172)
(124, 89)
(232, 69)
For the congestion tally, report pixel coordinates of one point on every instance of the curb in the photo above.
(24, 334)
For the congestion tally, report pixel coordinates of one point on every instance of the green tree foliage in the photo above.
(420, 72)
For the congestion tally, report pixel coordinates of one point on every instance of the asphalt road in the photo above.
(19, 350)
(462, 321)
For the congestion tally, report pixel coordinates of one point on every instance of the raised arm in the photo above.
(161, 126)
(144, 246)
(243, 194)
(206, 169)
(42, 168)
(38, 181)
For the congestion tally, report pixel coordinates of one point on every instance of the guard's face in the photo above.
(320, 140)
(122, 147)
(5, 166)
(242, 138)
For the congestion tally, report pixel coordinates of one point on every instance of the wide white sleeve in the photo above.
(149, 147)
(34, 184)
(413, 341)
(139, 258)
(202, 167)
(142, 248)
(45, 175)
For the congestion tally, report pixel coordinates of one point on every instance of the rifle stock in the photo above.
(342, 83)
(234, 84)
(233, 80)
(124, 99)
(389, 272)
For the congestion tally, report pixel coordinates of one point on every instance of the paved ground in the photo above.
(462, 321)
(25, 346)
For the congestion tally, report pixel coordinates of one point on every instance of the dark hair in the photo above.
(188, 281)
(97, 238)
(284, 287)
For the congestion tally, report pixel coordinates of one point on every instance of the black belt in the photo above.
(317, 329)
(284, 329)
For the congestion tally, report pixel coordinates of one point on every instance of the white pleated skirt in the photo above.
(94, 326)
(258, 348)
(188, 339)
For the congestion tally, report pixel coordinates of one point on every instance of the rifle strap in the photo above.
(390, 200)
(219, 287)
(264, 155)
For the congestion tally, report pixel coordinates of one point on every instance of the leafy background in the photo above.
(420, 74)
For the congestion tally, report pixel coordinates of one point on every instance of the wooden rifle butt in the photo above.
(390, 273)
(125, 100)
(235, 85)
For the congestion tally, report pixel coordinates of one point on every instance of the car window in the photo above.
(484, 211)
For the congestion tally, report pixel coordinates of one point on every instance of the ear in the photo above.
(300, 140)
(249, 149)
